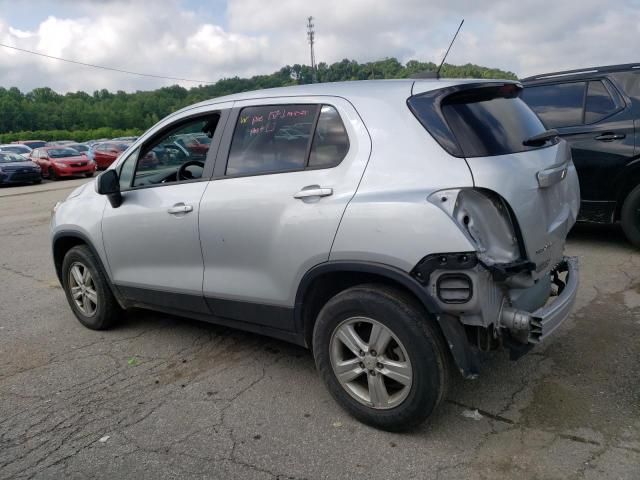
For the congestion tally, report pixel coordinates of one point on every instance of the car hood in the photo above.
(12, 165)
(80, 158)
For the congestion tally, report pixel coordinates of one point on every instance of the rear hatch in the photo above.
(510, 153)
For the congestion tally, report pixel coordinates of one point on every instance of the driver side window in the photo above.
(176, 155)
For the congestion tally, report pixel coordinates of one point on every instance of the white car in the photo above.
(18, 148)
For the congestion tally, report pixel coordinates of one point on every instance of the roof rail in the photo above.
(582, 71)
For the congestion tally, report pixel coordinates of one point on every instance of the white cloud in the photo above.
(259, 36)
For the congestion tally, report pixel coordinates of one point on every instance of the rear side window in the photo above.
(479, 122)
(558, 105)
(330, 140)
(271, 139)
(629, 81)
(599, 103)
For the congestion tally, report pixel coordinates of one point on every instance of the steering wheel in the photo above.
(184, 174)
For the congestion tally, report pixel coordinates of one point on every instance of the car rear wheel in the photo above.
(630, 216)
(87, 290)
(380, 357)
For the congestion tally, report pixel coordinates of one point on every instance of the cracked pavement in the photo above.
(164, 397)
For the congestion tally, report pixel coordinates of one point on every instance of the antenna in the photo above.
(447, 52)
(311, 35)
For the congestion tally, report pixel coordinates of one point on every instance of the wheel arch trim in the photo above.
(452, 330)
(84, 239)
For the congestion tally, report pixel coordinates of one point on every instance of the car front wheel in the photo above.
(380, 356)
(87, 290)
(630, 216)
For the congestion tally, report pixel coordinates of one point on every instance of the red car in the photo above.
(56, 162)
(104, 154)
(197, 145)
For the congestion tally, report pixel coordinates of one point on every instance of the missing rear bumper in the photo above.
(534, 327)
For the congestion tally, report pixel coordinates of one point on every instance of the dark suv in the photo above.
(597, 110)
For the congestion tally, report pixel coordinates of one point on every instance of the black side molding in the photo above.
(453, 331)
(81, 238)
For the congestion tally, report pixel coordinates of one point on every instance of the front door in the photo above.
(152, 240)
(273, 208)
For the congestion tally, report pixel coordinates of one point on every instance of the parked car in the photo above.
(124, 139)
(407, 224)
(104, 154)
(31, 143)
(16, 148)
(57, 162)
(80, 147)
(597, 110)
(14, 168)
(57, 143)
(198, 145)
(93, 142)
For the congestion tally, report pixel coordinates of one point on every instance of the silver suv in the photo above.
(398, 228)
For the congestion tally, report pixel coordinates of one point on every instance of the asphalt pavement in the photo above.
(161, 397)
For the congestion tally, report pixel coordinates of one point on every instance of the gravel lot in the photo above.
(163, 397)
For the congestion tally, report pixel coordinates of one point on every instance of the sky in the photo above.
(211, 39)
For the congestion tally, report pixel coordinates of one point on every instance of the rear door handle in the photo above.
(180, 208)
(607, 137)
(313, 191)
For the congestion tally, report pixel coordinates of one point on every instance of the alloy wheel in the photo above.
(370, 363)
(83, 289)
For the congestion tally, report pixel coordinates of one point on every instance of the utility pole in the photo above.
(311, 35)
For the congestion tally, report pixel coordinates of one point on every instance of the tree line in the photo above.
(42, 113)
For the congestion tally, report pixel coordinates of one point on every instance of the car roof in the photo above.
(582, 72)
(348, 89)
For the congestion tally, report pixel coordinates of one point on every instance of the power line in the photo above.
(103, 67)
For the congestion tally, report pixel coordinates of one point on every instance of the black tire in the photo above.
(52, 174)
(107, 310)
(89, 175)
(410, 323)
(630, 216)
(36, 182)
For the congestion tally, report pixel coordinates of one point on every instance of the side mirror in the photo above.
(108, 184)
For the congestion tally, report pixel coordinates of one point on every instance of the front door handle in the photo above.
(607, 137)
(180, 208)
(313, 191)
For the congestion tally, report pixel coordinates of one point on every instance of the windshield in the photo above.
(63, 152)
(9, 157)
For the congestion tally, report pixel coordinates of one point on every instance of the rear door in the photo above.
(489, 124)
(594, 118)
(286, 172)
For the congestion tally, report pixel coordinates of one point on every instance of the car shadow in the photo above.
(599, 234)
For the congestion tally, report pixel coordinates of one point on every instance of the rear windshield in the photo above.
(479, 122)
